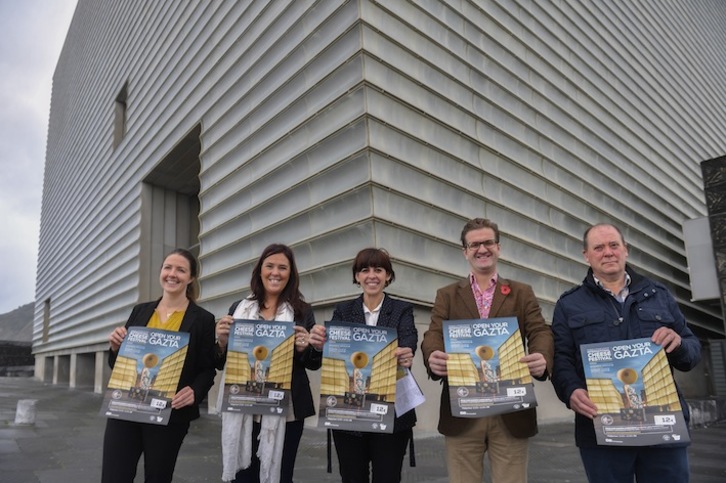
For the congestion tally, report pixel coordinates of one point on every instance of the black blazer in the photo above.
(198, 370)
(394, 313)
(310, 358)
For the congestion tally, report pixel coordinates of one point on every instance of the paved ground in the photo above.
(64, 445)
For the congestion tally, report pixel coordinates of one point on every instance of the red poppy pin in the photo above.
(505, 289)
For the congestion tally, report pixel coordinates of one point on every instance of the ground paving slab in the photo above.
(65, 445)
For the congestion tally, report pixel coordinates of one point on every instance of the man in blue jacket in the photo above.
(615, 303)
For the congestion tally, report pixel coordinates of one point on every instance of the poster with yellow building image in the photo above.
(358, 378)
(632, 386)
(258, 371)
(145, 376)
(484, 373)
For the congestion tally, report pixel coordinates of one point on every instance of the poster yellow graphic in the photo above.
(631, 384)
(484, 373)
(145, 376)
(258, 374)
(358, 380)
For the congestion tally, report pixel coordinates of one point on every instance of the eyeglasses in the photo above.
(476, 244)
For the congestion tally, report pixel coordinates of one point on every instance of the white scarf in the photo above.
(237, 428)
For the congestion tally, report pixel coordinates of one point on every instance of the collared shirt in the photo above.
(483, 297)
(372, 315)
(624, 292)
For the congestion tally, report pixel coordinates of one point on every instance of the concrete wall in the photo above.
(336, 125)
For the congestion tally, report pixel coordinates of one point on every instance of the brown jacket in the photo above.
(456, 302)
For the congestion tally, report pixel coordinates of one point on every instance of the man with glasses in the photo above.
(485, 294)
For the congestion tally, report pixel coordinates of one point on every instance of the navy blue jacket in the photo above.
(588, 314)
(394, 313)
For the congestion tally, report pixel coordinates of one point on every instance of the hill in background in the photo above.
(17, 325)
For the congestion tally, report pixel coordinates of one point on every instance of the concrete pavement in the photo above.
(64, 445)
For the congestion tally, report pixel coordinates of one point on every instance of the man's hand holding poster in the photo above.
(631, 384)
(484, 373)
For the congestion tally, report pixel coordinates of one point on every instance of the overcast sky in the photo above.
(31, 38)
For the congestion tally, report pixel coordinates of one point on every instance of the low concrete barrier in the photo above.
(25, 412)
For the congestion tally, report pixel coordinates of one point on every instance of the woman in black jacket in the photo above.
(275, 295)
(125, 441)
(359, 452)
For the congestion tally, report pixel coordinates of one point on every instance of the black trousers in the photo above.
(359, 452)
(293, 434)
(125, 441)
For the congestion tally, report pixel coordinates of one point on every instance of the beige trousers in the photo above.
(507, 454)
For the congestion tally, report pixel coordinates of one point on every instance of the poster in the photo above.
(632, 386)
(484, 373)
(258, 372)
(408, 393)
(358, 379)
(145, 376)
